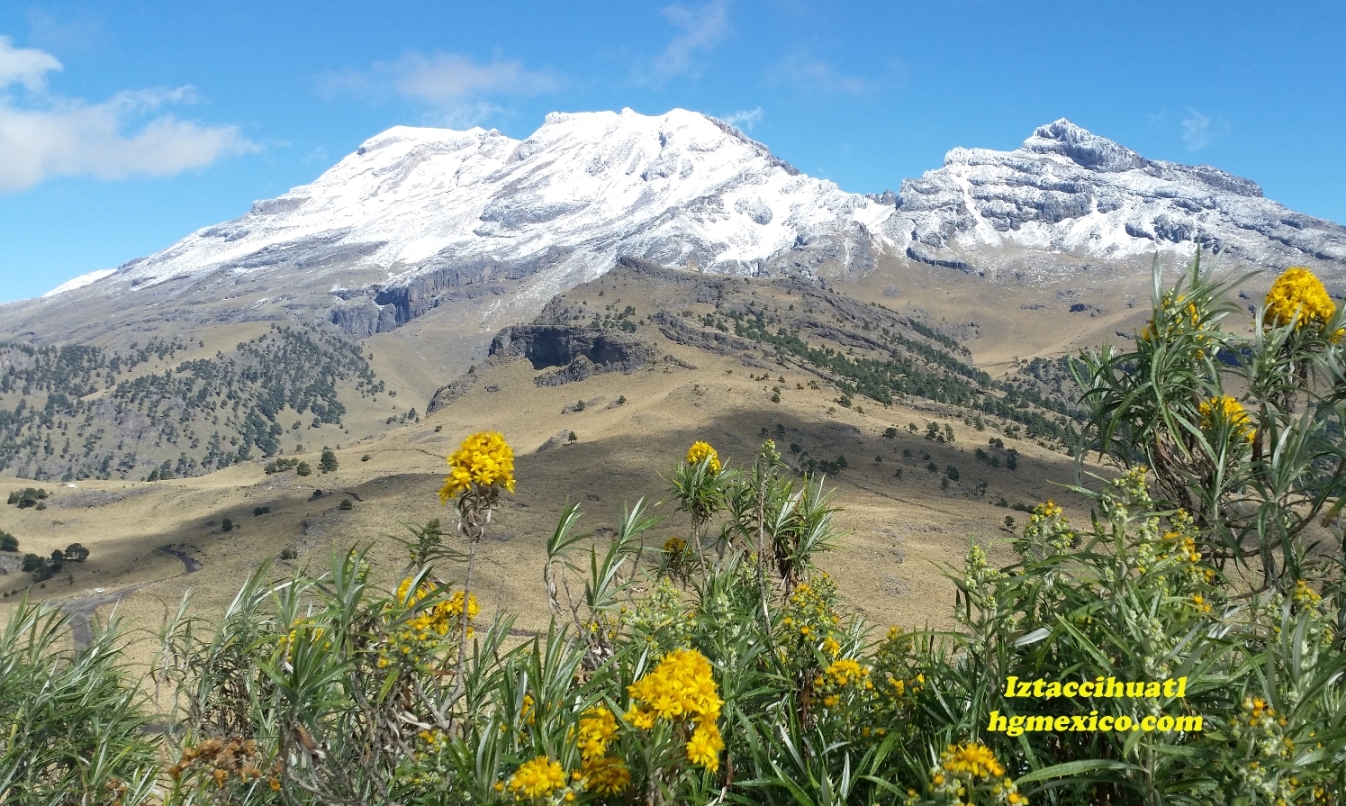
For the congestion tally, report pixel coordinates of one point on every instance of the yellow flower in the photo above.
(1228, 410)
(845, 671)
(681, 683)
(973, 758)
(597, 726)
(1298, 292)
(640, 718)
(483, 460)
(537, 778)
(699, 453)
(1047, 510)
(606, 775)
(705, 745)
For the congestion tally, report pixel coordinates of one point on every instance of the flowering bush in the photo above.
(740, 675)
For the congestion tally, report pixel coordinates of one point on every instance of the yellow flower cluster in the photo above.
(1048, 527)
(1298, 292)
(973, 766)
(1178, 543)
(1047, 510)
(601, 773)
(536, 779)
(417, 636)
(699, 453)
(1177, 313)
(597, 727)
(287, 643)
(681, 689)
(838, 676)
(675, 546)
(1227, 410)
(1305, 595)
(605, 775)
(976, 760)
(483, 460)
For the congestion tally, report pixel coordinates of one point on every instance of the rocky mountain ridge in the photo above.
(1069, 192)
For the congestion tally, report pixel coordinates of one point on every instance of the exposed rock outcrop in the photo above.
(573, 353)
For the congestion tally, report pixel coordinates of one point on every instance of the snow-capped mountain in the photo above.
(417, 214)
(492, 227)
(1066, 191)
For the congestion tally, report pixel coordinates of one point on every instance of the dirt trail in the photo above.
(82, 610)
(192, 565)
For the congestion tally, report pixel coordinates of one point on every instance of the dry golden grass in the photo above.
(899, 533)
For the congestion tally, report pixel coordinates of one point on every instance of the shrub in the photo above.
(952, 473)
(31, 562)
(226, 525)
(76, 553)
(73, 722)
(28, 497)
(279, 465)
(579, 406)
(303, 469)
(345, 505)
(289, 554)
(365, 458)
(8, 542)
(328, 463)
(258, 511)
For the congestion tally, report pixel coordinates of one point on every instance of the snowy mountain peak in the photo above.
(1069, 192)
(415, 216)
(1082, 147)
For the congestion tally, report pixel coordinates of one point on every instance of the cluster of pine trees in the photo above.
(79, 412)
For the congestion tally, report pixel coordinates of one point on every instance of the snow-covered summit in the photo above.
(493, 227)
(78, 282)
(426, 209)
(1069, 191)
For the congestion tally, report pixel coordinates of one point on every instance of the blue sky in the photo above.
(126, 125)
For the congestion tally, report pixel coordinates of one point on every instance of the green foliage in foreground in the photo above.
(322, 688)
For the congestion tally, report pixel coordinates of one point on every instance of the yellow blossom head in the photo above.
(973, 759)
(484, 460)
(1226, 409)
(1297, 292)
(699, 453)
(537, 779)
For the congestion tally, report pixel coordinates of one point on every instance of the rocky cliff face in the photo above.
(1067, 191)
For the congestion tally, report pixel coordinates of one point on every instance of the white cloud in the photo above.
(809, 74)
(26, 66)
(454, 85)
(702, 28)
(75, 138)
(51, 135)
(1199, 130)
(744, 119)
